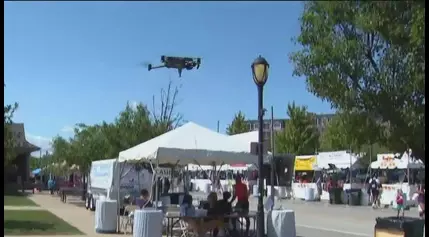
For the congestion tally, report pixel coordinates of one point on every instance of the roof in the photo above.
(19, 136)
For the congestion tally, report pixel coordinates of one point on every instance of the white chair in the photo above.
(128, 220)
(184, 229)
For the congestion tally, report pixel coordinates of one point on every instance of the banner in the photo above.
(305, 163)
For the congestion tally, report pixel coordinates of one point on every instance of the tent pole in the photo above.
(157, 184)
(118, 208)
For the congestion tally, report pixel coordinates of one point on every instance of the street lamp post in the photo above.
(260, 75)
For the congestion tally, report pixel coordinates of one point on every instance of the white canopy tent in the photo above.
(190, 143)
(244, 139)
(391, 161)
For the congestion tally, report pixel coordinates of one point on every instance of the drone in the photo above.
(178, 63)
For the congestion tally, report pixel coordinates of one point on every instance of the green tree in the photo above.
(238, 124)
(134, 125)
(300, 135)
(348, 130)
(368, 56)
(9, 141)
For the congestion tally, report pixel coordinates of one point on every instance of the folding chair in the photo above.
(128, 220)
(184, 229)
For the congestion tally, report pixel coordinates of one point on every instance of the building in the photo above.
(279, 124)
(21, 163)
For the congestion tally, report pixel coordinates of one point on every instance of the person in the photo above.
(400, 202)
(212, 221)
(374, 187)
(224, 207)
(51, 185)
(419, 196)
(242, 195)
(319, 187)
(186, 207)
(144, 201)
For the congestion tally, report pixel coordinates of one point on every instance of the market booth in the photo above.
(398, 173)
(188, 144)
(304, 172)
(309, 168)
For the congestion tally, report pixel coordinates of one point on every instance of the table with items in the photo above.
(173, 219)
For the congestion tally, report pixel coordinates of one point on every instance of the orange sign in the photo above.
(388, 162)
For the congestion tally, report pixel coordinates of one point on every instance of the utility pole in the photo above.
(272, 156)
(218, 125)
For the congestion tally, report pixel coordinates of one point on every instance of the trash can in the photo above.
(353, 197)
(395, 227)
(335, 195)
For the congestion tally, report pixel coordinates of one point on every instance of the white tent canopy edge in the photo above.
(191, 143)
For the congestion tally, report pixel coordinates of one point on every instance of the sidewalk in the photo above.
(77, 216)
(25, 208)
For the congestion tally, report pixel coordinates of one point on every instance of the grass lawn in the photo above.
(17, 200)
(19, 222)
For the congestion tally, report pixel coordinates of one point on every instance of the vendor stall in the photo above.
(308, 169)
(345, 165)
(398, 173)
(304, 171)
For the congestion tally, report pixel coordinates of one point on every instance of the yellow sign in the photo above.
(303, 163)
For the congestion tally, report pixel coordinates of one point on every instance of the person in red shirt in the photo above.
(241, 193)
(400, 202)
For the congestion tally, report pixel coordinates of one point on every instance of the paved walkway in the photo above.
(29, 208)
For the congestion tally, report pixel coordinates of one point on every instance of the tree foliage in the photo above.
(300, 135)
(131, 127)
(348, 130)
(238, 124)
(9, 141)
(368, 56)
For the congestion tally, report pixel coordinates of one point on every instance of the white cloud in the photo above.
(43, 142)
(67, 129)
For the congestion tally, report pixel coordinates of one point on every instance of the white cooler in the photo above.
(105, 216)
(255, 190)
(309, 194)
(281, 223)
(207, 188)
(147, 223)
(282, 192)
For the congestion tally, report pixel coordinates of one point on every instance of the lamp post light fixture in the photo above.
(260, 75)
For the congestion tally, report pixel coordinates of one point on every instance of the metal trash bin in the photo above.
(395, 227)
(335, 195)
(353, 197)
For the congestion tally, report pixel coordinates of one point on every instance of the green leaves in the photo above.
(300, 135)
(238, 124)
(9, 141)
(368, 57)
(133, 125)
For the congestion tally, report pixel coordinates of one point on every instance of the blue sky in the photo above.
(72, 62)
